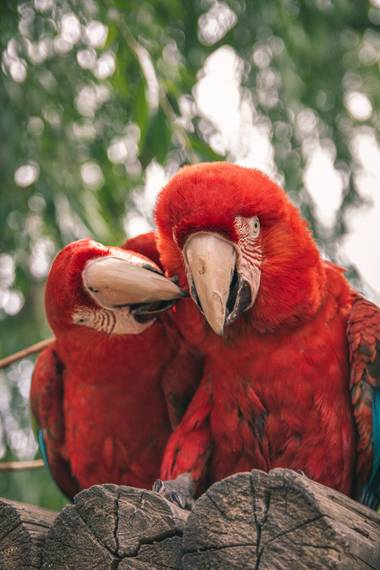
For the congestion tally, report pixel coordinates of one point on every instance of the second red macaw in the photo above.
(292, 369)
(107, 394)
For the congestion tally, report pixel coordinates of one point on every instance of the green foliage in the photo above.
(88, 103)
(33, 486)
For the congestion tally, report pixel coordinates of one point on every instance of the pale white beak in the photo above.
(210, 264)
(113, 282)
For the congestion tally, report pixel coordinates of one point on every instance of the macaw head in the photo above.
(107, 289)
(239, 245)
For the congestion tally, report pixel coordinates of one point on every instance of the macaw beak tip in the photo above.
(218, 330)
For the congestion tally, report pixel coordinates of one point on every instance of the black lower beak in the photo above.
(239, 299)
(144, 312)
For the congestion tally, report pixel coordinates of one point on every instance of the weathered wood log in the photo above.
(248, 521)
(23, 529)
(111, 527)
(279, 520)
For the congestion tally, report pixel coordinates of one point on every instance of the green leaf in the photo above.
(141, 110)
(158, 139)
(203, 149)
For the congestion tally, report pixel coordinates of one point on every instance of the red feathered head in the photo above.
(233, 235)
(108, 289)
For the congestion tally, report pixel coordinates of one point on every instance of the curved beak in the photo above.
(210, 264)
(114, 282)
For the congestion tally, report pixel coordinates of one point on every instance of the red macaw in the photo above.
(116, 380)
(292, 365)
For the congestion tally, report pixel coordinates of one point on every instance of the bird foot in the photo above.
(179, 491)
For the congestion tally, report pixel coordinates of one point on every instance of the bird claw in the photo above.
(158, 486)
(178, 491)
(176, 498)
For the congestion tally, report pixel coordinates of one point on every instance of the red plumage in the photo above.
(276, 386)
(105, 401)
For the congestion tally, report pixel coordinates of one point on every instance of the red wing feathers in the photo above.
(46, 400)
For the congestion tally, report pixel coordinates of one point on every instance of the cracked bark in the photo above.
(263, 521)
(23, 529)
(116, 527)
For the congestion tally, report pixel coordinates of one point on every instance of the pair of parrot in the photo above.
(219, 343)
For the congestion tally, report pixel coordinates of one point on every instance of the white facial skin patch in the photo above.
(118, 321)
(250, 255)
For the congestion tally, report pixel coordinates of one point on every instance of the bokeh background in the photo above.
(101, 101)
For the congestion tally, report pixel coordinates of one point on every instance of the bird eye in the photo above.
(255, 226)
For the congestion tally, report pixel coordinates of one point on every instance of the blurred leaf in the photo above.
(141, 110)
(204, 149)
(158, 139)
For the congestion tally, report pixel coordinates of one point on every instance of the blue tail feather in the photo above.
(371, 492)
(42, 446)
